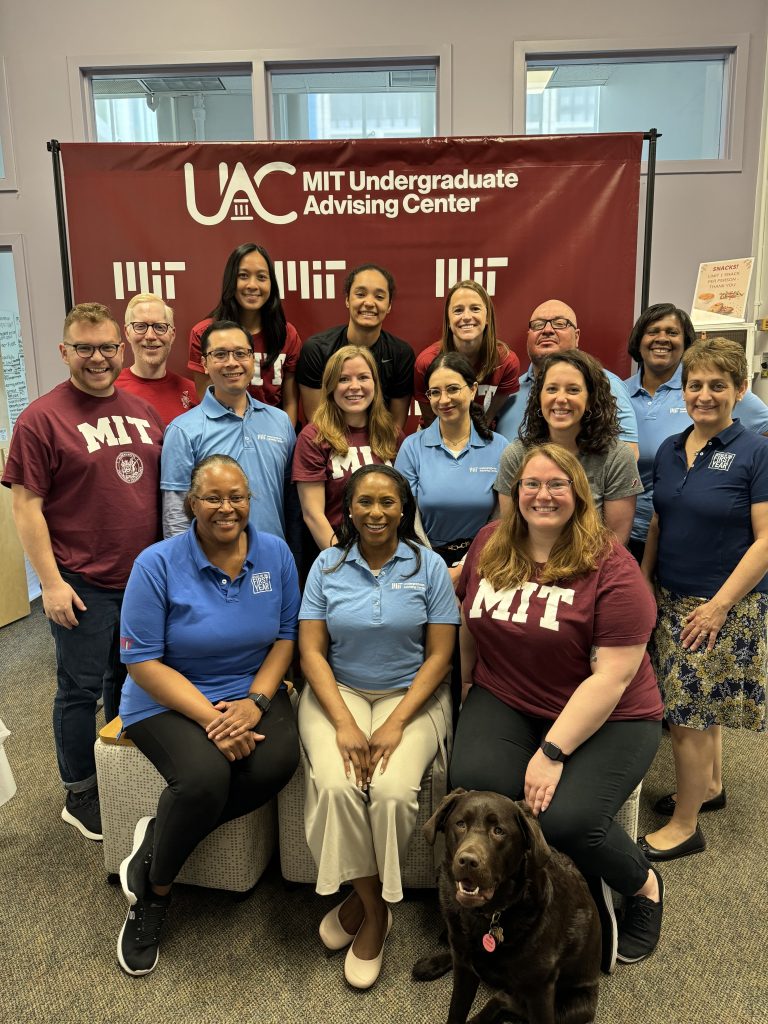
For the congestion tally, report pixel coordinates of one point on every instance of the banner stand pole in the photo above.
(650, 184)
(54, 149)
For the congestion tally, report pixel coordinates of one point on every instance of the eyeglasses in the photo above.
(214, 501)
(530, 485)
(86, 351)
(559, 323)
(139, 327)
(451, 391)
(221, 355)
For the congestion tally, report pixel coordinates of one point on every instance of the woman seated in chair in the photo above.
(561, 705)
(378, 623)
(207, 632)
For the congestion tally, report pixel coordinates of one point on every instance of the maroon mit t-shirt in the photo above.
(95, 462)
(534, 641)
(169, 396)
(318, 463)
(266, 386)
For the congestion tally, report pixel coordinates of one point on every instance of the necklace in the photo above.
(459, 442)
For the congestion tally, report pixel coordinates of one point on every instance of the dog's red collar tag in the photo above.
(494, 935)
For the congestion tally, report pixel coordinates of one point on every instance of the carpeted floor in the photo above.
(259, 960)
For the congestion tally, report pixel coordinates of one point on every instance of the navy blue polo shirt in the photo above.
(663, 414)
(182, 610)
(705, 524)
(376, 624)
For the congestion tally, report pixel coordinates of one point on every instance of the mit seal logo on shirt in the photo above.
(129, 467)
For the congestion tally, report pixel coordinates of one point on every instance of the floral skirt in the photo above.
(724, 686)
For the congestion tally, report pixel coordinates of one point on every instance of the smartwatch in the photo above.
(261, 702)
(553, 752)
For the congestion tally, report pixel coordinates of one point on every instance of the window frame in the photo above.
(363, 59)
(734, 108)
(80, 69)
(15, 242)
(8, 180)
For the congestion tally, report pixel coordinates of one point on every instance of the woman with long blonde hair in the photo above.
(561, 706)
(351, 427)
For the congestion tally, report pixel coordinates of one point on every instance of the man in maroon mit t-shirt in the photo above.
(150, 332)
(83, 467)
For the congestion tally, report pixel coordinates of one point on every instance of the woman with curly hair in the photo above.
(377, 627)
(571, 405)
(250, 296)
(561, 705)
(469, 328)
(350, 428)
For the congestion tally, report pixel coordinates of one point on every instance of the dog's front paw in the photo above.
(428, 968)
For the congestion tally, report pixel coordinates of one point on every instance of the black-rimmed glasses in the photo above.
(108, 350)
(559, 323)
(140, 327)
(214, 501)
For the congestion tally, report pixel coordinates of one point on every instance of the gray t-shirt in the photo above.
(611, 476)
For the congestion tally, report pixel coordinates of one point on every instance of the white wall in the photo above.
(698, 216)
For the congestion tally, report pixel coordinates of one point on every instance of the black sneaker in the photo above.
(641, 927)
(84, 812)
(138, 946)
(134, 870)
(603, 897)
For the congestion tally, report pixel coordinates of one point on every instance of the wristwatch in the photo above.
(261, 702)
(553, 752)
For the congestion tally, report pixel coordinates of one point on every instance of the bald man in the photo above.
(553, 327)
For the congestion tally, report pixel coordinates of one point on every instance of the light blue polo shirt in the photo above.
(262, 441)
(376, 624)
(660, 416)
(511, 416)
(183, 611)
(705, 512)
(454, 493)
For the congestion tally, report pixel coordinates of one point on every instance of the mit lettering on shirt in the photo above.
(499, 603)
(112, 431)
(354, 459)
(277, 369)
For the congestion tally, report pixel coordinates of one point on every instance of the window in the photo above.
(393, 101)
(694, 96)
(158, 105)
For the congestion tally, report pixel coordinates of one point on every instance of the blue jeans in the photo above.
(87, 667)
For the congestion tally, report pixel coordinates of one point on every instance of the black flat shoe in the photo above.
(666, 805)
(695, 844)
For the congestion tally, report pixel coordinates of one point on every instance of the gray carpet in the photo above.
(259, 960)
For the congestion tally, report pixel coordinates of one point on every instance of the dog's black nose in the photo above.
(468, 860)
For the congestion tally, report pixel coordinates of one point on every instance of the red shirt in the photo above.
(533, 642)
(169, 396)
(95, 462)
(504, 379)
(313, 463)
(267, 386)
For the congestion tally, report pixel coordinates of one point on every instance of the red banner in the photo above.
(529, 218)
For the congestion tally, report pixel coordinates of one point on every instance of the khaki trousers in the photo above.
(350, 838)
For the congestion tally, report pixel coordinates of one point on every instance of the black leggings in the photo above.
(204, 788)
(491, 751)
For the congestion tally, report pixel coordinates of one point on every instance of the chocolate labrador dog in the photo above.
(519, 914)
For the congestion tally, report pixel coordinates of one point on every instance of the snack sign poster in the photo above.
(528, 218)
(721, 290)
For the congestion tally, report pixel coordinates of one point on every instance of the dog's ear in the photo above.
(538, 848)
(437, 822)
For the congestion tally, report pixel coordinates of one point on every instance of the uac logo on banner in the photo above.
(238, 193)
